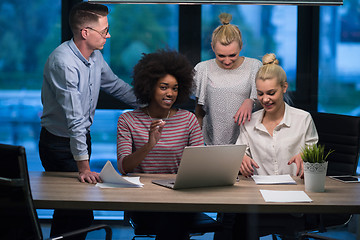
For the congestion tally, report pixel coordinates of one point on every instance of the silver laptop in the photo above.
(207, 166)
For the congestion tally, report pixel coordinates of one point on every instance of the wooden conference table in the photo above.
(62, 190)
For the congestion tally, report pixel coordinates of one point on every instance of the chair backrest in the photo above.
(19, 217)
(342, 134)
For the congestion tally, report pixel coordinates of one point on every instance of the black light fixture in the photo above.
(250, 2)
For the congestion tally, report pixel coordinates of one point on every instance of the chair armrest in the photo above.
(108, 232)
(17, 182)
(315, 236)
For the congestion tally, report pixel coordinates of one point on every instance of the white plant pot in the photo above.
(314, 176)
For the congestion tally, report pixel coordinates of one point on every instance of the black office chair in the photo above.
(342, 134)
(201, 224)
(19, 217)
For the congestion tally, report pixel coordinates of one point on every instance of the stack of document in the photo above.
(273, 179)
(112, 179)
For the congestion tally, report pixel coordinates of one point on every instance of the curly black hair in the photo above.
(153, 66)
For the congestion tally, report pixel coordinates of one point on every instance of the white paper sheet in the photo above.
(273, 179)
(112, 179)
(285, 196)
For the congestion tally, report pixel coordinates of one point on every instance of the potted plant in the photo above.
(315, 167)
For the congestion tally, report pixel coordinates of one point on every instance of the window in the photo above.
(264, 29)
(339, 48)
(30, 31)
(137, 29)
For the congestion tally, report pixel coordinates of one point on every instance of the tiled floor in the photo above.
(122, 231)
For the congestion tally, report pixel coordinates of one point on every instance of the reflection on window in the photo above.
(30, 31)
(339, 48)
(264, 29)
(137, 29)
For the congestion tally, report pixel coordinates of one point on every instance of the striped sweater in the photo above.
(180, 130)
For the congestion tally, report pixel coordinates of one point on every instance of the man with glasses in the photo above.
(73, 76)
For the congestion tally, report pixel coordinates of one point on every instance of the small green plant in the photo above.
(315, 154)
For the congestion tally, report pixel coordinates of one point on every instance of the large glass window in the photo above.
(137, 29)
(264, 29)
(339, 48)
(29, 32)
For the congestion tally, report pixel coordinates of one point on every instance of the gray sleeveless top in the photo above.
(221, 92)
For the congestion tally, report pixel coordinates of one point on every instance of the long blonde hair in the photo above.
(226, 33)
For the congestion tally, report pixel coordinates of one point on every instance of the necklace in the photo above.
(147, 110)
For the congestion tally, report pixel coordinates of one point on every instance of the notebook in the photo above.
(207, 166)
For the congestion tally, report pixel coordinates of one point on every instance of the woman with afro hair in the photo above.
(151, 139)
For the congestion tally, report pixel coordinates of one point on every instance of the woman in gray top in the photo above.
(225, 86)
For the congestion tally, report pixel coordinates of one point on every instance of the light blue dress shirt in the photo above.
(70, 92)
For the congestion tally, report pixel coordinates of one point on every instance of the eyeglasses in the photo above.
(102, 33)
